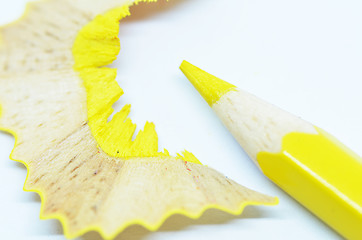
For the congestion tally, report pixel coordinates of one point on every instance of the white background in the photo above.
(304, 56)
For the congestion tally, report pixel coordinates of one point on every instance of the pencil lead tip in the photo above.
(210, 87)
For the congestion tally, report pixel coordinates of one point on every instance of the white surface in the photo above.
(304, 56)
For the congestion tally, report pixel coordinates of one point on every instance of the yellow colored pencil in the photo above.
(305, 161)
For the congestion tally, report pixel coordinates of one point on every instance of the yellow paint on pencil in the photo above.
(210, 87)
(322, 174)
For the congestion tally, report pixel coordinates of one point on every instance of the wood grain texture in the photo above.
(257, 125)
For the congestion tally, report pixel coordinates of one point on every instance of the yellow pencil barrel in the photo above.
(321, 174)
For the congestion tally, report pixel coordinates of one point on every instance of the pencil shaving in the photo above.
(86, 180)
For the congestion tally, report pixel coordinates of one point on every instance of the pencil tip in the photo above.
(210, 87)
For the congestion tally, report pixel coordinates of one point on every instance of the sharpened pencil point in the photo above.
(210, 87)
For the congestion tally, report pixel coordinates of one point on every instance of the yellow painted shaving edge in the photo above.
(97, 45)
(323, 175)
(210, 87)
